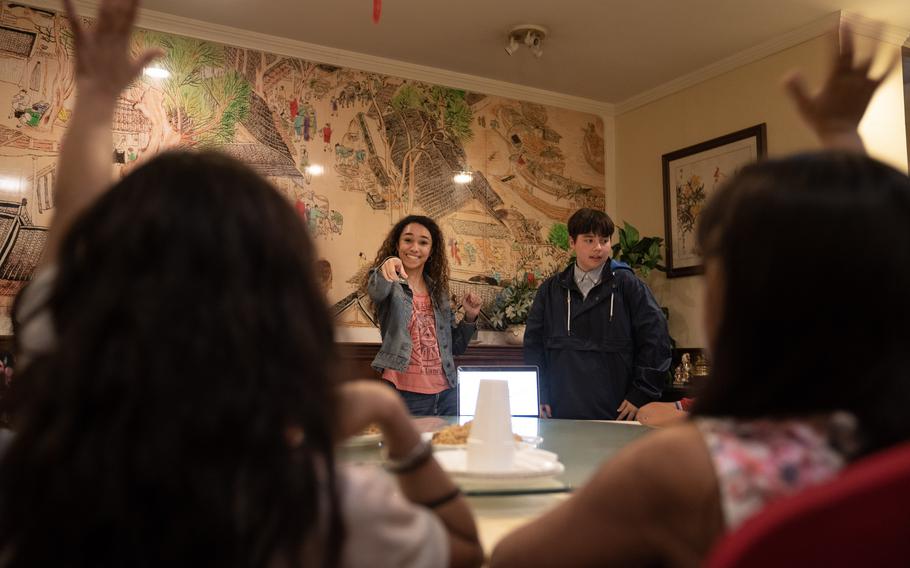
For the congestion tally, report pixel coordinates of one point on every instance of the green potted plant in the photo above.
(642, 254)
(510, 310)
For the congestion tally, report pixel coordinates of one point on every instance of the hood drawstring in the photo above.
(569, 306)
(612, 293)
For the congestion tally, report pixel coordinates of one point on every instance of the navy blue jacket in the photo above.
(615, 345)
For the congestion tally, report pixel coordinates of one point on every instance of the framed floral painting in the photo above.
(691, 176)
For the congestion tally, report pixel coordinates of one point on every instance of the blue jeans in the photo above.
(440, 404)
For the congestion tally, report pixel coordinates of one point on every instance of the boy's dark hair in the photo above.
(814, 257)
(191, 333)
(588, 220)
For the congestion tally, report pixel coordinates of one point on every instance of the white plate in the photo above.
(527, 464)
(363, 440)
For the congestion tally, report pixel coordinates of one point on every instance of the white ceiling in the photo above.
(606, 50)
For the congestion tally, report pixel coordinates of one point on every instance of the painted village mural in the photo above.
(386, 147)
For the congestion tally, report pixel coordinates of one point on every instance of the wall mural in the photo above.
(352, 151)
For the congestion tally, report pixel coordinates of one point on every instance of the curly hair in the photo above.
(191, 333)
(436, 267)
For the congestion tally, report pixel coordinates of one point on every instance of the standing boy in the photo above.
(596, 332)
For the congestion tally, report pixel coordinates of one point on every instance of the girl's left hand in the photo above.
(471, 303)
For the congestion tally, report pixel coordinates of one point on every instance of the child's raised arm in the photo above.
(104, 67)
(834, 112)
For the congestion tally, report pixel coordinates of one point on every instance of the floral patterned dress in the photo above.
(759, 461)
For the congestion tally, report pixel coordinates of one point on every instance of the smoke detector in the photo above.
(528, 34)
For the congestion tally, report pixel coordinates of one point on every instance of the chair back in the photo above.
(860, 518)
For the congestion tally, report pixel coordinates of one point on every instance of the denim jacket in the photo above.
(394, 303)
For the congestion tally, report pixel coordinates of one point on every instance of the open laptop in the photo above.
(524, 394)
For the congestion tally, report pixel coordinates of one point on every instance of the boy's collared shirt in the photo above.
(587, 280)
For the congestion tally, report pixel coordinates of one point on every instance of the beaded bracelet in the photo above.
(418, 456)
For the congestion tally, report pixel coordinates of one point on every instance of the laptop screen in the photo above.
(523, 391)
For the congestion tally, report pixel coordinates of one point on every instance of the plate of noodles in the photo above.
(370, 436)
(456, 437)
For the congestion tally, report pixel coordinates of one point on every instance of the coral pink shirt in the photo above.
(424, 373)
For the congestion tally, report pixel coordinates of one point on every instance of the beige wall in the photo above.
(884, 127)
(744, 97)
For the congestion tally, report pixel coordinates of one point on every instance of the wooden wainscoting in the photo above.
(356, 357)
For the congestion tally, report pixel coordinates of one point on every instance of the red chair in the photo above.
(861, 518)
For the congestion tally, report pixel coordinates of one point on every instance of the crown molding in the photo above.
(760, 51)
(163, 22)
(861, 25)
(874, 29)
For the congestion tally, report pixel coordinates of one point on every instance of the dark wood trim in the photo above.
(491, 355)
(356, 357)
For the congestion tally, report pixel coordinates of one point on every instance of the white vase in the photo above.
(515, 334)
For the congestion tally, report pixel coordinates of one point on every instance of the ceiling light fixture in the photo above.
(529, 34)
(463, 177)
(315, 170)
(513, 45)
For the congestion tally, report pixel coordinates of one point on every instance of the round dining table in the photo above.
(581, 446)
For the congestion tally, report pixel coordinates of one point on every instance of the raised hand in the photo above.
(834, 112)
(393, 269)
(471, 303)
(103, 63)
(104, 68)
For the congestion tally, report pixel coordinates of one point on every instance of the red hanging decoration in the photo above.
(377, 10)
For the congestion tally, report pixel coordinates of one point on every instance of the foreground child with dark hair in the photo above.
(177, 407)
(596, 333)
(765, 427)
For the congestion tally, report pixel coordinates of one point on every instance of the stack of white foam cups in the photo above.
(490, 445)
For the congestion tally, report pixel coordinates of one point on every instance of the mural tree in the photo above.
(433, 115)
(217, 106)
(204, 102)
